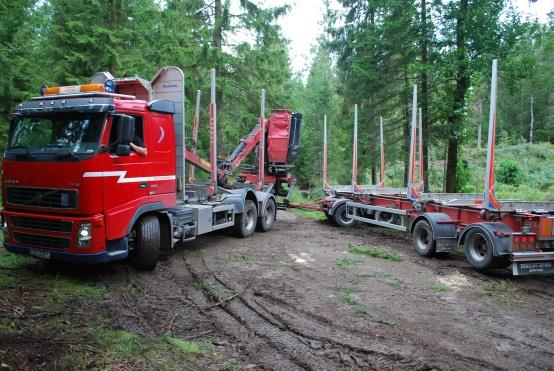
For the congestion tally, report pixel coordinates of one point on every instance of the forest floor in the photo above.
(306, 295)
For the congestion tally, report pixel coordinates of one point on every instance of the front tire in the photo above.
(424, 241)
(144, 245)
(265, 222)
(245, 223)
(342, 219)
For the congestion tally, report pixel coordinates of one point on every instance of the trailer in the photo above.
(96, 172)
(494, 233)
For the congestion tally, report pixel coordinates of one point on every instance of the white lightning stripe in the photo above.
(122, 179)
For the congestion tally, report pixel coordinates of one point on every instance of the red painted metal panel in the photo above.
(278, 136)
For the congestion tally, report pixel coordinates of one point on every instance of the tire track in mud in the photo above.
(313, 342)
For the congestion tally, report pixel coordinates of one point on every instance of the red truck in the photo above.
(75, 189)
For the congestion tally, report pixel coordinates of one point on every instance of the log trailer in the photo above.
(282, 133)
(494, 233)
(74, 190)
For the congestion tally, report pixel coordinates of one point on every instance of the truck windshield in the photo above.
(43, 137)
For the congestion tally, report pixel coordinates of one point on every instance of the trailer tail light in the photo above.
(523, 242)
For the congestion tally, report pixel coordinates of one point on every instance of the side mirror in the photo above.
(123, 150)
(125, 129)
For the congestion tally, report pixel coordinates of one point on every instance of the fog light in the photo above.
(84, 234)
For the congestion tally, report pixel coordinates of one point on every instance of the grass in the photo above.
(374, 252)
(439, 288)
(298, 198)
(67, 306)
(351, 300)
(207, 288)
(240, 257)
(390, 281)
(314, 215)
(188, 348)
(505, 293)
(348, 261)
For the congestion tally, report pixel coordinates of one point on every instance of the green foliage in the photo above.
(509, 172)
(374, 252)
(463, 177)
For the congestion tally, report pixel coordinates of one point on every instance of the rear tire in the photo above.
(424, 241)
(342, 219)
(479, 250)
(245, 223)
(145, 246)
(265, 222)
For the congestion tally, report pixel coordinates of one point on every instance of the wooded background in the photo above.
(371, 54)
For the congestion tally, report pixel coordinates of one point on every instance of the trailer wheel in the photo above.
(422, 236)
(479, 251)
(265, 222)
(386, 217)
(342, 219)
(144, 243)
(245, 223)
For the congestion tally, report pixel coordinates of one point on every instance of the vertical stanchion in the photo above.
(325, 184)
(382, 145)
(355, 187)
(412, 192)
(261, 146)
(421, 185)
(195, 123)
(212, 189)
(489, 201)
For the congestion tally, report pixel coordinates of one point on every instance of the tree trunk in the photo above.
(462, 84)
(424, 94)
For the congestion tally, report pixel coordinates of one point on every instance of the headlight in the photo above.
(84, 235)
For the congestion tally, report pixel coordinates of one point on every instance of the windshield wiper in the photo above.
(25, 155)
(64, 146)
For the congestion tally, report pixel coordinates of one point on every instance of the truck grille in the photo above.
(41, 241)
(41, 224)
(42, 197)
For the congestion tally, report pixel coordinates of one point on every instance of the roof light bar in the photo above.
(107, 87)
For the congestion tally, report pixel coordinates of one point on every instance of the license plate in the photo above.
(522, 268)
(40, 254)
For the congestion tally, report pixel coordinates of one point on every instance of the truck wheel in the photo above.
(265, 222)
(245, 223)
(422, 236)
(342, 219)
(479, 249)
(144, 244)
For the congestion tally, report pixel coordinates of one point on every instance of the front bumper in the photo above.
(103, 257)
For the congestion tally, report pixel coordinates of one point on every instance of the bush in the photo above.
(510, 172)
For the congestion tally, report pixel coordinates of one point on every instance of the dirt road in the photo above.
(308, 295)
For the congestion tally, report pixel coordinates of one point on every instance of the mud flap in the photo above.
(446, 244)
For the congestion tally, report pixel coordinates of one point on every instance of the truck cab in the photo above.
(75, 188)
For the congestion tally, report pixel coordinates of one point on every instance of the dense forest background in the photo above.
(371, 54)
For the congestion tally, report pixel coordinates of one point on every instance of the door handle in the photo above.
(143, 185)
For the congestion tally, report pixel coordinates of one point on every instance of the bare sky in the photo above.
(303, 24)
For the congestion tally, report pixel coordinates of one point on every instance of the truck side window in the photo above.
(139, 132)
